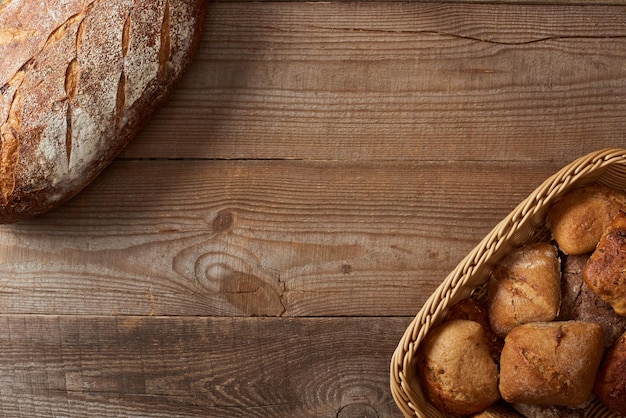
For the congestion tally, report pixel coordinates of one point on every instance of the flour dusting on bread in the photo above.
(77, 81)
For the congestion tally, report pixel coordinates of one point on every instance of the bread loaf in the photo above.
(550, 363)
(604, 272)
(77, 80)
(525, 287)
(610, 386)
(456, 369)
(474, 310)
(578, 220)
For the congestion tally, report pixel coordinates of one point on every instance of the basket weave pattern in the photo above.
(524, 225)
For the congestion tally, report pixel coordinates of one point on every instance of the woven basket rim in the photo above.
(473, 270)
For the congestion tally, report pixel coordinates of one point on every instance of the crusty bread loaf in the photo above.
(604, 272)
(457, 373)
(578, 220)
(550, 363)
(610, 386)
(77, 80)
(525, 287)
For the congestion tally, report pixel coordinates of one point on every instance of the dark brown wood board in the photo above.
(195, 366)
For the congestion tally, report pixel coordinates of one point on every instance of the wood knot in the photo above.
(222, 221)
(251, 295)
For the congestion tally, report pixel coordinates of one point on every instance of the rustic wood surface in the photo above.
(260, 248)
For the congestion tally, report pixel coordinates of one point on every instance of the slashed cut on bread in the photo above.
(77, 80)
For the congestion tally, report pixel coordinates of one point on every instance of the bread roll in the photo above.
(550, 363)
(525, 287)
(604, 272)
(610, 386)
(78, 79)
(578, 302)
(456, 370)
(578, 219)
(473, 310)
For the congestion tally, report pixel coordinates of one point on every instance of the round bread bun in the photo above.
(457, 373)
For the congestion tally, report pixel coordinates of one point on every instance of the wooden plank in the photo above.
(196, 367)
(398, 80)
(268, 238)
(542, 2)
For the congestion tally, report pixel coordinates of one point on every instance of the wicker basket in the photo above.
(523, 225)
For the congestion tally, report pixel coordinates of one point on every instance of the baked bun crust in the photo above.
(525, 287)
(474, 310)
(610, 385)
(457, 373)
(578, 220)
(550, 363)
(604, 272)
(77, 81)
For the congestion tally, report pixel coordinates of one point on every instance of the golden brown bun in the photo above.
(473, 310)
(78, 79)
(610, 385)
(578, 302)
(604, 273)
(551, 363)
(578, 220)
(525, 287)
(456, 370)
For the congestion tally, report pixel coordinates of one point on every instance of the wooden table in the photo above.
(260, 248)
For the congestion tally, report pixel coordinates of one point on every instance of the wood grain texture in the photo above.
(541, 2)
(258, 238)
(260, 248)
(398, 81)
(195, 367)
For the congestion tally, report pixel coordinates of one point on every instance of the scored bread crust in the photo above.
(78, 79)
(604, 272)
(610, 384)
(550, 363)
(524, 287)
